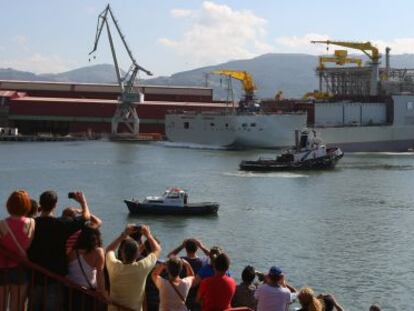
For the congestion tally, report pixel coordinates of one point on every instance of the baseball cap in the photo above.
(275, 271)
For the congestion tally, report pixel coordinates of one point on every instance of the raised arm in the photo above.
(284, 283)
(176, 250)
(336, 304)
(80, 197)
(115, 243)
(95, 221)
(155, 275)
(188, 269)
(201, 246)
(155, 247)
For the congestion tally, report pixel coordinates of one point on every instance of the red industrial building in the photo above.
(63, 108)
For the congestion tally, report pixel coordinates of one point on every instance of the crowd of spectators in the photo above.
(129, 271)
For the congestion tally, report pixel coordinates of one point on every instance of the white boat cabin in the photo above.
(171, 197)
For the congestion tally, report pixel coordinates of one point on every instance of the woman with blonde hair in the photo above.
(324, 302)
(16, 234)
(308, 301)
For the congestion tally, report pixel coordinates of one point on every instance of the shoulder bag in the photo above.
(178, 293)
(83, 272)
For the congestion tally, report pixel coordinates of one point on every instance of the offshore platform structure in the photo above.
(360, 80)
(248, 100)
(130, 95)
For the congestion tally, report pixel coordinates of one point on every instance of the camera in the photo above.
(136, 235)
(260, 276)
(71, 195)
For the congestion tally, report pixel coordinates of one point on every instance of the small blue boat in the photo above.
(174, 201)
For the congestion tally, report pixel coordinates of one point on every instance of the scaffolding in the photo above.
(356, 81)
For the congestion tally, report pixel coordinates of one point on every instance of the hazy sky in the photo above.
(170, 36)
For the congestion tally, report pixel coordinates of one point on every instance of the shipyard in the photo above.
(361, 108)
(206, 156)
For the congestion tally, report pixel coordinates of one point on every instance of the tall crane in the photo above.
(368, 49)
(129, 96)
(243, 76)
(364, 47)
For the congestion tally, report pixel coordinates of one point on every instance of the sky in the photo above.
(52, 36)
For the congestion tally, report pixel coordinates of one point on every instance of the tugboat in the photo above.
(308, 154)
(174, 201)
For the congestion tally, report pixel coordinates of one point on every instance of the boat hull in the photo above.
(323, 163)
(207, 208)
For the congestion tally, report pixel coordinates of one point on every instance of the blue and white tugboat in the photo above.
(308, 154)
(174, 201)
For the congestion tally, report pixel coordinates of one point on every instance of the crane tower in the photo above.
(126, 109)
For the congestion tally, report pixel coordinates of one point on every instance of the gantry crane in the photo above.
(247, 82)
(125, 112)
(340, 57)
(368, 49)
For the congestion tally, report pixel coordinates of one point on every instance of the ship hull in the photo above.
(234, 130)
(370, 138)
(352, 126)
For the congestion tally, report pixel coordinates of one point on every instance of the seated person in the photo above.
(244, 296)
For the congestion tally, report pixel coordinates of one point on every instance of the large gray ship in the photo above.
(359, 108)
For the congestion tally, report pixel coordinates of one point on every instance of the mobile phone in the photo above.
(71, 195)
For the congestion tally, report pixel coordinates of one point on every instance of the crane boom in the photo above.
(374, 54)
(126, 112)
(243, 76)
(102, 20)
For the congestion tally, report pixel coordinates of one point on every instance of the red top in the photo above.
(216, 292)
(17, 225)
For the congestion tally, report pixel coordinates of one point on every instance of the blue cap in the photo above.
(275, 271)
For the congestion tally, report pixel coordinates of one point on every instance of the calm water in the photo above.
(348, 231)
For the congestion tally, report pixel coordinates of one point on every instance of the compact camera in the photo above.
(136, 235)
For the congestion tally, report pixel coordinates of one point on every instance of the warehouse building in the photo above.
(64, 108)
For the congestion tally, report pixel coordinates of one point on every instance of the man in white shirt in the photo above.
(275, 294)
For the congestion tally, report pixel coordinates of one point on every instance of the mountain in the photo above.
(11, 74)
(294, 74)
(103, 73)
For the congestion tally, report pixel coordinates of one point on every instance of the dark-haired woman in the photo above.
(87, 261)
(16, 234)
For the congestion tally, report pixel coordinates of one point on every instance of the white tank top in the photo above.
(75, 272)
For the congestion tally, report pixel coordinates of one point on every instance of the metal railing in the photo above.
(45, 288)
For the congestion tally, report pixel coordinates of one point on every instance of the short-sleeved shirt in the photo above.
(127, 281)
(48, 246)
(169, 298)
(216, 292)
(195, 263)
(207, 271)
(273, 298)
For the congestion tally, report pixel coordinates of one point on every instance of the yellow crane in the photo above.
(366, 47)
(339, 58)
(243, 76)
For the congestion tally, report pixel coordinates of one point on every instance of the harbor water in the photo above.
(348, 231)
